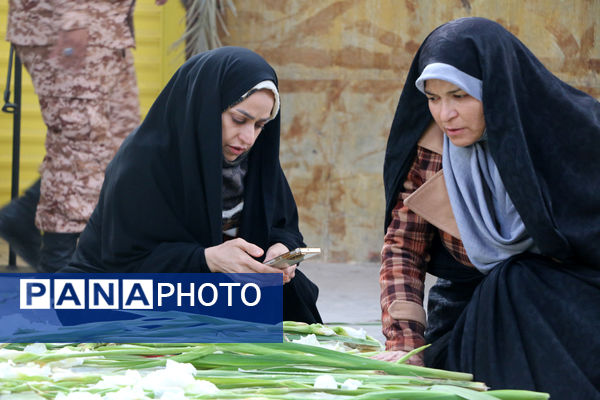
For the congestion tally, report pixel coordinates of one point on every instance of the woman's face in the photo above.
(242, 123)
(457, 113)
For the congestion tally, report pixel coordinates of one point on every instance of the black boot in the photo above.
(57, 249)
(17, 225)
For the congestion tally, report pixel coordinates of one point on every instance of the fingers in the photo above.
(235, 256)
(390, 356)
(257, 266)
(262, 268)
(385, 356)
(276, 250)
(248, 247)
(394, 356)
(289, 273)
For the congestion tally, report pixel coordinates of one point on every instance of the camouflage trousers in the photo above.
(88, 113)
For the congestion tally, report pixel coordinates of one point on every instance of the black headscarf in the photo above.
(160, 205)
(544, 135)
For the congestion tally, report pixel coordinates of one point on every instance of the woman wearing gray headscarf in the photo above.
(492, 185)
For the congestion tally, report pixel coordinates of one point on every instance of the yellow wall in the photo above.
(156, 30)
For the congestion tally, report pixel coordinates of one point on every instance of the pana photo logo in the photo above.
(141, 307)
(132, 294)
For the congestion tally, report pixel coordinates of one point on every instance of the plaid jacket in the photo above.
(405, 256)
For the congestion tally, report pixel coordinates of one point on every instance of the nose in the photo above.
(246, 134)
(447, 111)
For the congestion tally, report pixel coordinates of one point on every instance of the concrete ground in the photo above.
(348, 293)
(21, 265)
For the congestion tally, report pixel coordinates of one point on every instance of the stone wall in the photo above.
(342, 65)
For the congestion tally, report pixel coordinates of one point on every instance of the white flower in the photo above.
(127, 393)
(310, 340)
(21, 396)
(337, 346)
(201, 387)
(174, 375)
(325, 382)
(78, 396)
(355, 333)
(60, 374)
(173, 393)
(129, 378)
(68, 362)
(177, 367)
(325, 331)
(33, 369)
(35, 348)
(351, 384)
(8, 354)
(8, 370)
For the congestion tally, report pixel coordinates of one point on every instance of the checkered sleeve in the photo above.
(456, 248)
(404, 257)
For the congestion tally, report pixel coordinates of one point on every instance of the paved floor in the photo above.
(348, 293)
(21, 265)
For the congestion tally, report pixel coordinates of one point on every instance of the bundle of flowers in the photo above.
(314, 362)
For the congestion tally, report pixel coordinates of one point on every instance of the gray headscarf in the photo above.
(490, 226)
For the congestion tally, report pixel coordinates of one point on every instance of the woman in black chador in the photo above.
(492, 180)
(198, 187)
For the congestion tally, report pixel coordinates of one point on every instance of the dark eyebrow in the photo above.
(449, 92)
(252, 117)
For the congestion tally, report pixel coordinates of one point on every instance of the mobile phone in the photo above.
(293, 257)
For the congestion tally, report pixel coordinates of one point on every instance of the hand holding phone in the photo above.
(293, 257)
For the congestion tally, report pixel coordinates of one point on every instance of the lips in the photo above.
(453, 131)
(236, 150)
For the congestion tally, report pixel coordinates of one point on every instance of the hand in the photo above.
(160, 2)
(235, 256)
(70, 48)
(395, 355)
(276, 250)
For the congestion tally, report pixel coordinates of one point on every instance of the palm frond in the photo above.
(203, 20)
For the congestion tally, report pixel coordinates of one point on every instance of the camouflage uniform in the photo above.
(89, 110)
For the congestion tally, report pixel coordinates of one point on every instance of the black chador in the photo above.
(161, 206)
